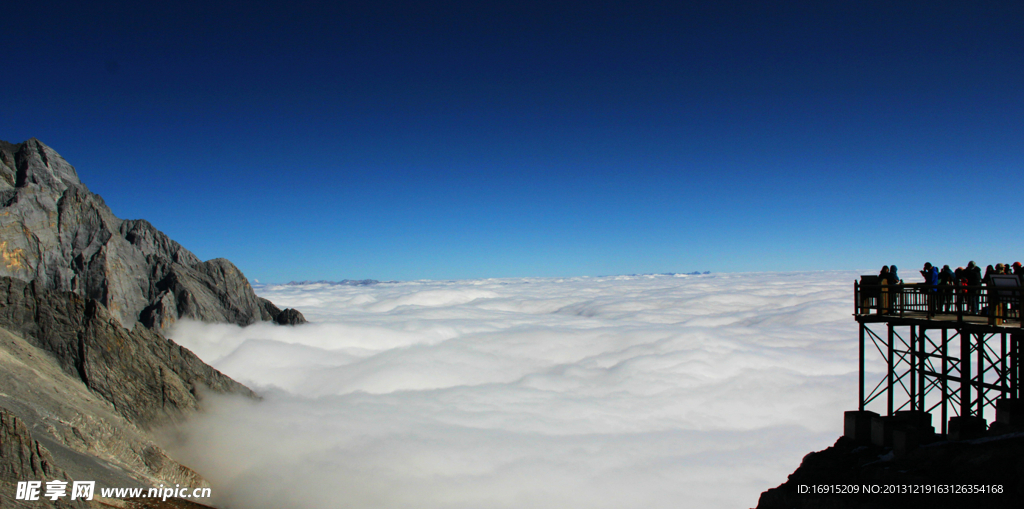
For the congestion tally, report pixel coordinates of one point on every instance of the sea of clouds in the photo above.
(592, 392)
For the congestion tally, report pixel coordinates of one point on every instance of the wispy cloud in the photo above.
(638, 391)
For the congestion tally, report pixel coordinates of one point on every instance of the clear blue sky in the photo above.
(406, 140)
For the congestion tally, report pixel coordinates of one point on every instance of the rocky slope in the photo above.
(85, 371)
(145, 376)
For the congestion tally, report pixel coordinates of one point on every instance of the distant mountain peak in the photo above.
(343, 282)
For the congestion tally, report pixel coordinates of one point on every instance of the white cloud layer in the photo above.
(611, 392)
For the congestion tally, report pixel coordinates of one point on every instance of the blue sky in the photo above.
(407, 140)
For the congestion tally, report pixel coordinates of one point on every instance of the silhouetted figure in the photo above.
(883, 295)
(959, 282)
(1018, 270)
(894, 293)
(946, 281)
(973, 275)
(993, 307)
(930, 274)
(931, 280)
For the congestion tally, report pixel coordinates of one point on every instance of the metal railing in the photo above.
(995, 303)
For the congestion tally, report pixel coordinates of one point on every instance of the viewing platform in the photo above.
(945, 350)
(998, 304)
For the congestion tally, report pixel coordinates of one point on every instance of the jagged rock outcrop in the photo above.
(55, 231)
(290, 317)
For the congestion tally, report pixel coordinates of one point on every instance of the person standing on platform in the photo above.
(931, 281)
(959, 282)
(973, 275)
(894, 293)
(946, 279)
(883, 294)
(1019, 272)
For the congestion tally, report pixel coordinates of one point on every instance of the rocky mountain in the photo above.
(86, 373)
(55, 231)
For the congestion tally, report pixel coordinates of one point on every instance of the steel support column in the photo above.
(945, 378)
(965, 374)
(980, 348)
(889, 391)
(861, 398)
(921, 388)
(912, 358)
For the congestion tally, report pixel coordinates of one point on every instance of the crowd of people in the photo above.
(941, 286)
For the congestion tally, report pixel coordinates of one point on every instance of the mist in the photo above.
(626, 391)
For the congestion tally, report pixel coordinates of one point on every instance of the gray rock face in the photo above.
(71, 429)
(55, 231)
(147, 377)
(24, 458)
